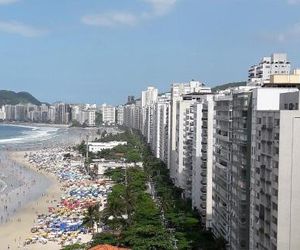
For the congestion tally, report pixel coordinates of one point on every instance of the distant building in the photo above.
(91, 118)
(95, 147)
(63, 113)
(148, 101)
(284, 80)
(10, 112)
(275, 64)
(130, 99)
(177, 90)
(120, 115)
(108, 113)
(20, 112)
(161, 128)
(2, 113)
(132, 115)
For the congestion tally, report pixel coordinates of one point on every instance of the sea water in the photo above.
(18, 184)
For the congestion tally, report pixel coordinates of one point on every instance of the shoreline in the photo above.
(24, 219)
(31, 124)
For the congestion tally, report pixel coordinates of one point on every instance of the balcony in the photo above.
(203, 182)
(223, 136)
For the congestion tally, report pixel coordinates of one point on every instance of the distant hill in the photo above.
(13, 98)
(228, 85)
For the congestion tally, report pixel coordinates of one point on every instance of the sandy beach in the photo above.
(13, 234)
(28, 190)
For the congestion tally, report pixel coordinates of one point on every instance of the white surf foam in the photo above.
(35, 134)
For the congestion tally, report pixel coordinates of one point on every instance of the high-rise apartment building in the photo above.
(108, 113)
(63, 113)
(222, 165)
(2, 113)
(275, 64)
(20, 112)
(231, 168)
(275, 173)
(177, 90)
(202, 158)
(161, 126)
(184, 137)
(148, 102)
(120, 115)
(9, 112)
(132, 115)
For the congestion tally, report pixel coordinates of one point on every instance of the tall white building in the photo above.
(108, 113)
(185, 137)
(51, 113)
(231, 167)
(149, 96)
(91, 117)
(177, 90)
(84, 114)
(161, 127)
(182, 154)
(120, 115)
(275, 172)
(2, 113)
(275, 64)
(132, 115)
(148, 101)
(202, 158)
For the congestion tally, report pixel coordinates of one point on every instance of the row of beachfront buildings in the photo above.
(235, 153)
(59, 113)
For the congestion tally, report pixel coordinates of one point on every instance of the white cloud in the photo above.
(3, 2)
(293, 33)
(116, 18)
(290, 34)
(161, 7)
(110, 19)
(293, 1)
(20, 29)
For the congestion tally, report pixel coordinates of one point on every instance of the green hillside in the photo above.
(13, 98)
(228, 85)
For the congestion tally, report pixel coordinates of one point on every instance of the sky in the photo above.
(101, 51)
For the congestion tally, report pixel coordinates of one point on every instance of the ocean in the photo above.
(18, 184)
(15, 134)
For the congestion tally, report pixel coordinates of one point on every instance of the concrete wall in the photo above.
(288, 237)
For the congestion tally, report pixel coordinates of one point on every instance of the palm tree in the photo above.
(92, 216)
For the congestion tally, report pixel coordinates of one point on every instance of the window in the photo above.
(274, 220)
(274, 205)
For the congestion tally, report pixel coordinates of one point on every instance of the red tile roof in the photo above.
(107, 247)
